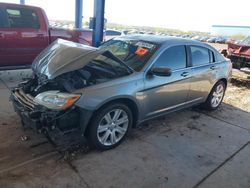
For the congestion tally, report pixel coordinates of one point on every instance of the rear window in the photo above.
(220, 57)
(22, 18)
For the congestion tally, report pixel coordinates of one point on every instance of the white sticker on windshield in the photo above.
(145, 45)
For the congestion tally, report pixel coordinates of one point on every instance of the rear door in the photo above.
(203, 72)
(167, 93)
(23, 36)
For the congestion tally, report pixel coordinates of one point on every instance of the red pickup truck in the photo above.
(25, 32)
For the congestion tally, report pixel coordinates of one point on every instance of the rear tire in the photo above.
(216, 96)
(109, 126)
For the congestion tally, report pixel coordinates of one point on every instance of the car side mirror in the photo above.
(161, 71)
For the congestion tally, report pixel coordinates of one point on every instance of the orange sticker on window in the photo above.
(141, 51)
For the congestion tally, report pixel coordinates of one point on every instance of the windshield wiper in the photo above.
(102, 63)
(112, 56)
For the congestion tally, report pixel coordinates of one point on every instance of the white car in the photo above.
(110, 33)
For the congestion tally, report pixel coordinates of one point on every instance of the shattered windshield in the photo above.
(133, 53)
(246, 41)
(109, 62)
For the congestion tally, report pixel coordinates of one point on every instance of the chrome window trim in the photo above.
(207, 64)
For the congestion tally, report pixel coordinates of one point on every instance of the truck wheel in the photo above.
(110, 126)
(216, 96)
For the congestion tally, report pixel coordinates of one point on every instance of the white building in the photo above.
(228, 30)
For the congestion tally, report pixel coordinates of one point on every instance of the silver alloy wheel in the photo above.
(112, 127)
(217, 96)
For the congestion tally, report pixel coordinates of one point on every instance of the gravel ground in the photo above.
(238, 96)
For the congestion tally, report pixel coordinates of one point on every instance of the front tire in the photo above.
(110, 126)
(216, 96)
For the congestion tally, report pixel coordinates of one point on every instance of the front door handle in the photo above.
(213, 67)
(184, 74)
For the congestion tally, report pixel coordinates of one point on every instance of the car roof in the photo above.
(165, 40)
(158, 39)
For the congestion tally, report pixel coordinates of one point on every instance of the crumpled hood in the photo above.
(239, 49)
(63, 56)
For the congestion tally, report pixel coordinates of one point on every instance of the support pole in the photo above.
(22, 2)
(78, 14)
(99, 7)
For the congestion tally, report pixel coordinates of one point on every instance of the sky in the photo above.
(187, 15)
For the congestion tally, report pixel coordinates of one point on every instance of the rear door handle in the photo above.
(213, 67)
(184, 74)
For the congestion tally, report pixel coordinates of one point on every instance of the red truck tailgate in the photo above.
(81, 36)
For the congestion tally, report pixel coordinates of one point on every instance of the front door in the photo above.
(163, 93)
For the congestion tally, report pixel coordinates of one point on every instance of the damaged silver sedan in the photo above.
(101, 93)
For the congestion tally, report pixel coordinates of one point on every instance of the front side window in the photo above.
(173, 58)
(199, 55)
(22, 18)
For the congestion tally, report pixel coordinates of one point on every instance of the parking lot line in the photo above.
(28, 162)
(221, 165)
(232, 124)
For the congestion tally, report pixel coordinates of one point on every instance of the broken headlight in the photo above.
(56, 100)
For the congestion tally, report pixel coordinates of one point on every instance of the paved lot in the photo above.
(191, 148)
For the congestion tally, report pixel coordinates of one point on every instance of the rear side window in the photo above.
(22, 18)
(173, 58)
(211, 56)
(199, 55)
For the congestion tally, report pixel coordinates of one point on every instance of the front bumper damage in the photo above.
(68, 125)
(40, 118)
